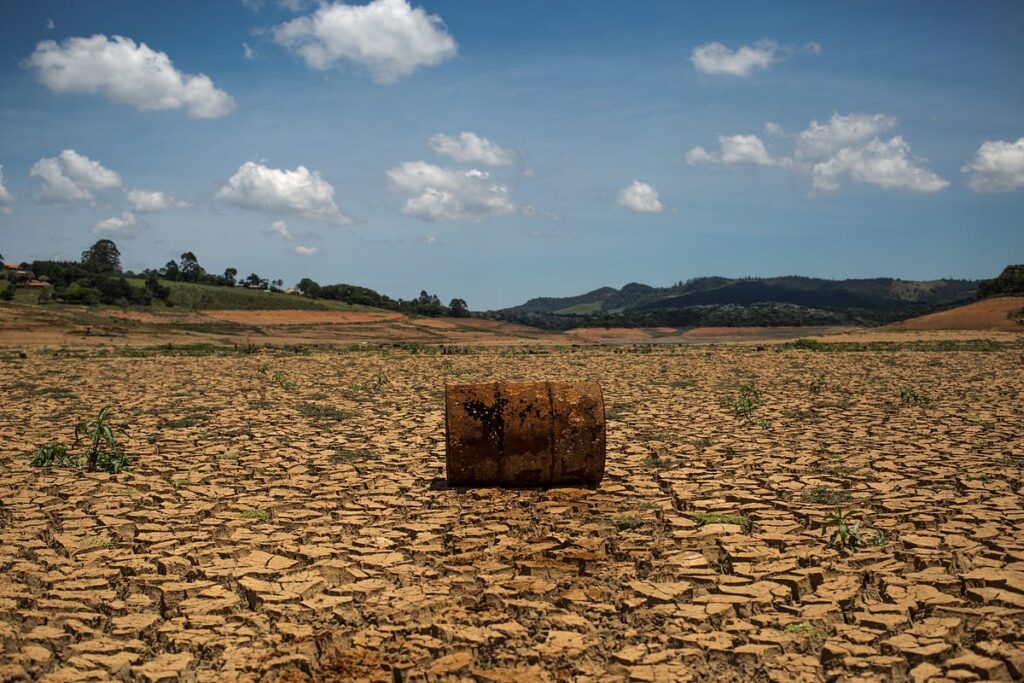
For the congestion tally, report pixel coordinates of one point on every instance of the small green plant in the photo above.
(815, 636)
(178, 483)
(817, 385)
(281, 378)
(803, 344)
(105, 451)
(747, 402)
(879, 537)
(381, 380)
(346, 455)
(655, 460)
(180, 423)
(702, 518)
(847, 532)
(824, 495)
(53, 454)
(627, 521)
(910, 397)
(264, 516)
(616, 410)
(319, 411)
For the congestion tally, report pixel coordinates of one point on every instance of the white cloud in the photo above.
(301, 192)
(997, 166)
(154, 200)
(846, 147)
(125, 225)
(438, 193)
(736, 150)
(470, 148)
(71, 177)
(126, 73)
(5, 195)
(885, 164)
(307, 251)
(281, 228)
(390, 38)
(50, 25)
(822, 140)
(291, 5)
(773, 129)
(248, 52)
(717, 59)
(641, 198)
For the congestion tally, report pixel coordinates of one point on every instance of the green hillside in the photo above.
(197, 296)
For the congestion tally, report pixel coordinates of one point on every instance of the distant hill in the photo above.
(720, 301)
(1009, 283)
(995, 313)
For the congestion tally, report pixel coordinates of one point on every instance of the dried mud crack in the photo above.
(284, 521)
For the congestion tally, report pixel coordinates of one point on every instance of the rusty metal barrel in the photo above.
(522, 434)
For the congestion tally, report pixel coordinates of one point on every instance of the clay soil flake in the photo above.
(287, 519)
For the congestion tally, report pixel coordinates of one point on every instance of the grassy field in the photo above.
(189, 296)
(207, 297)
(287, 514)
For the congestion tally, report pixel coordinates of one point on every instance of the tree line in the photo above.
(98, 278)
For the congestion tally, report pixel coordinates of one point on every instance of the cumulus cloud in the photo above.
(437, 193)
(641, 198)
(71, 177)
(735, 150)
(126, 73)
(885, 164)
(849, 147)
(281, 228)
(307, 251)
(717, 59)
(301, 192)
(154, 200)
(470, 148)
(248, 52)
(5, 195)
(997, 166)
(125, 225)
(389, 38)
(821, 140)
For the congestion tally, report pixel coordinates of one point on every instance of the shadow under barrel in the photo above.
(524, 434)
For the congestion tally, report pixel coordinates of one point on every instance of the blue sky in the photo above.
(497, 151)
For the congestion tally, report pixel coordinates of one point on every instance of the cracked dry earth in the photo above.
(286, 520)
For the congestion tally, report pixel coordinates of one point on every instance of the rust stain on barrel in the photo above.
(524, 434)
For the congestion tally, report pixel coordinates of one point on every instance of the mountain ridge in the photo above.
(788, 299)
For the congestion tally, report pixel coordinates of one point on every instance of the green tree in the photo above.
(309, 288)
(254, 281)
(229, 276)
(171, 271)
(458, 308)
(103, 257)
(191, 271)
(157, 290)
